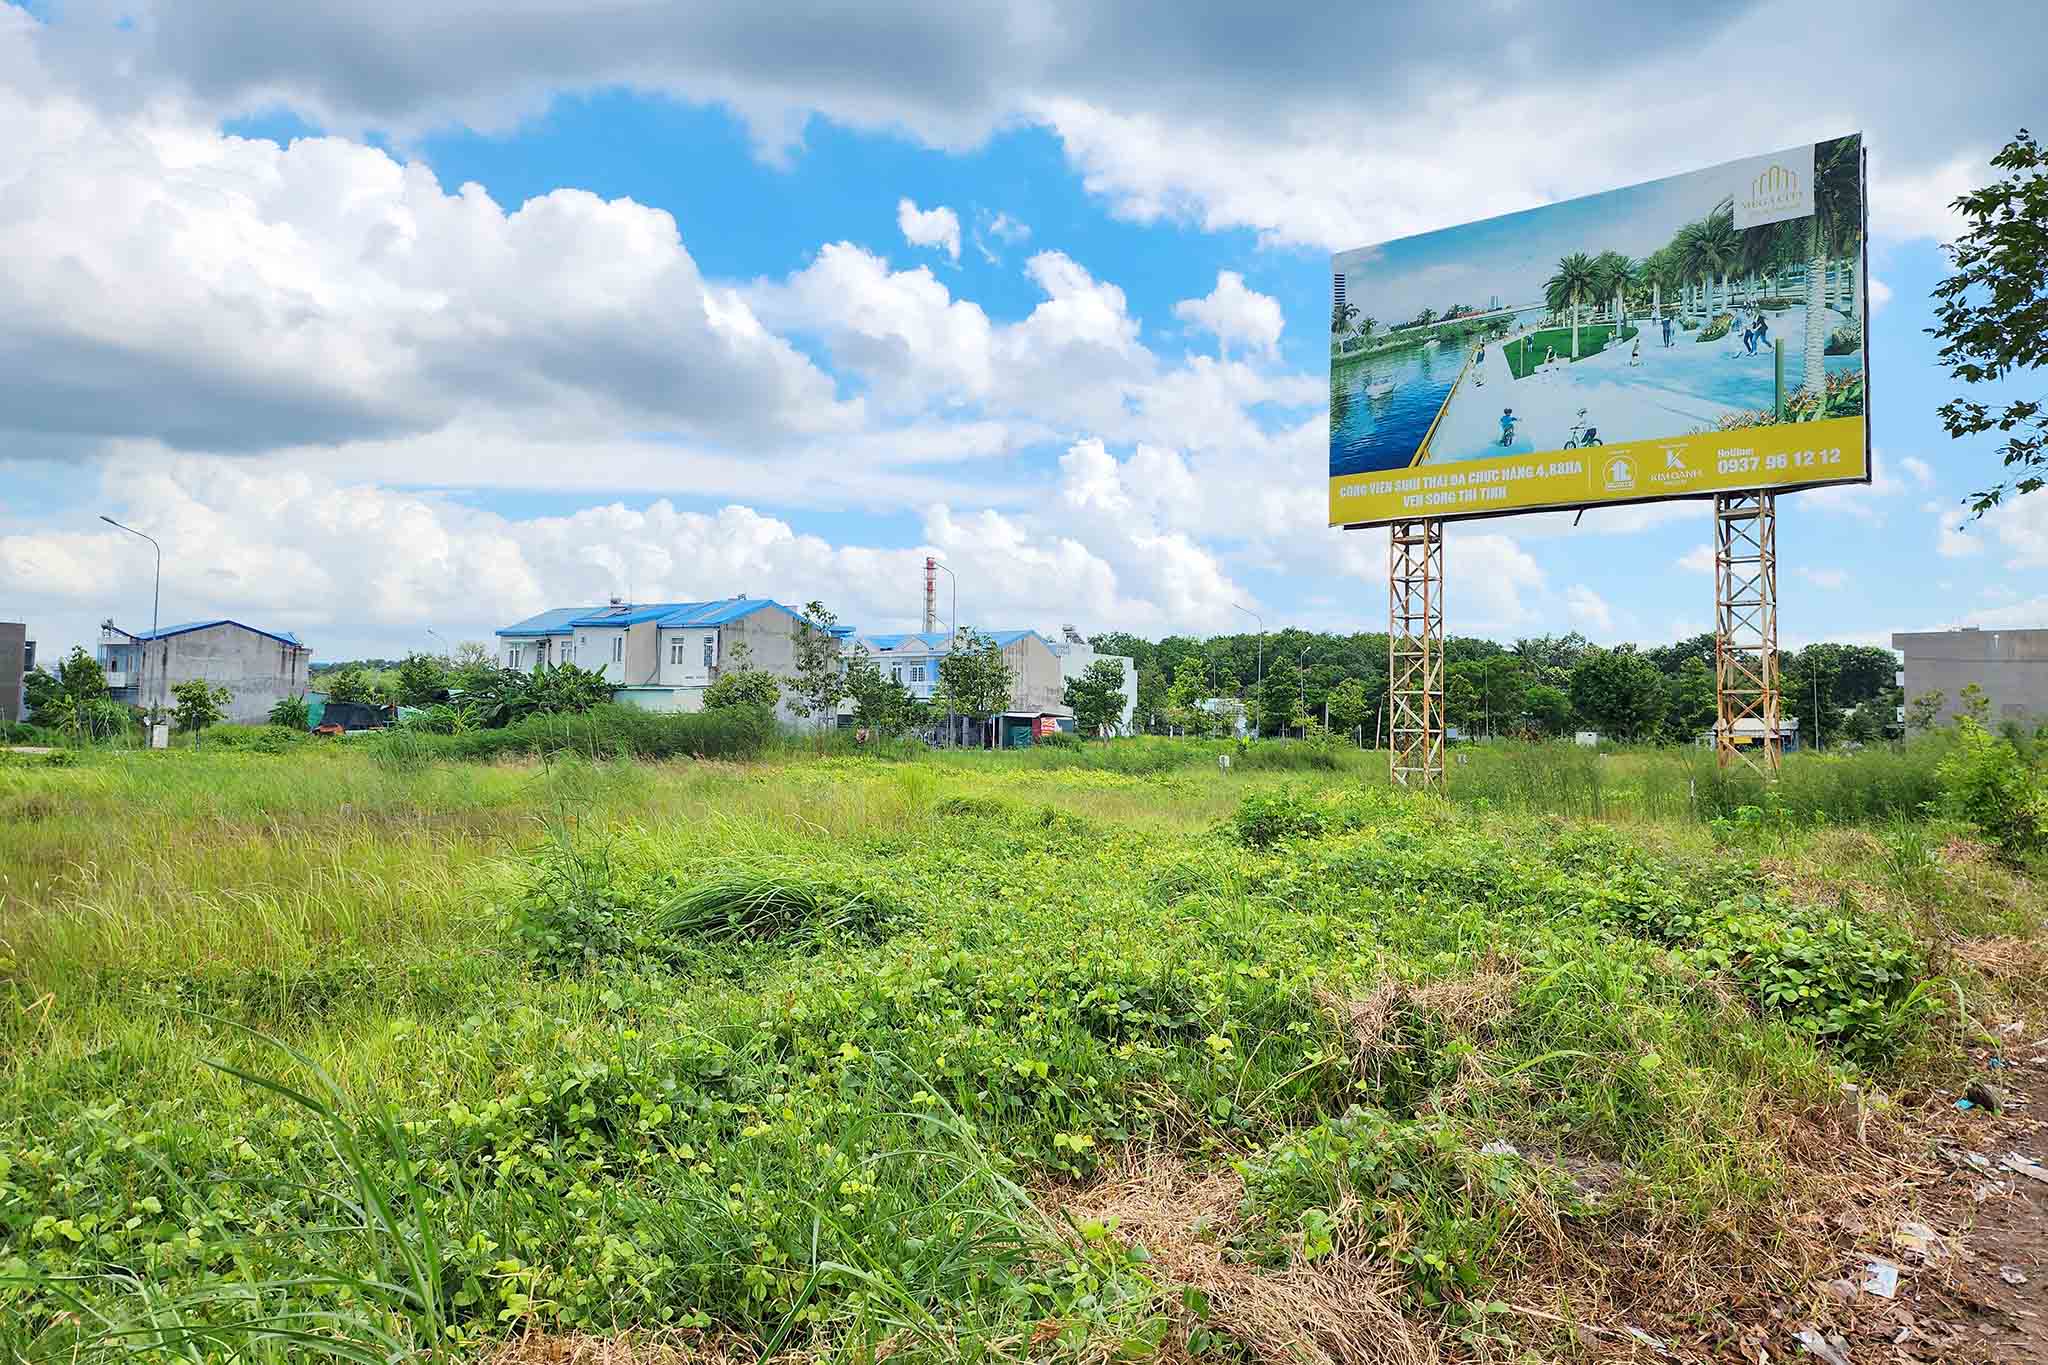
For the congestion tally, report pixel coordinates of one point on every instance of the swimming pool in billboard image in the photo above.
(1669, 310)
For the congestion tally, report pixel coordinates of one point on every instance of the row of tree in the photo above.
(1550, 685)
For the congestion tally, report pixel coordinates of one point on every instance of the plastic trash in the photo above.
(1831, 1349)
(1881, 1278)
(2012, 1274)
(2026, 1166)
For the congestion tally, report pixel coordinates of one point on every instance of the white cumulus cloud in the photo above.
(934, 227)
(1234, 313)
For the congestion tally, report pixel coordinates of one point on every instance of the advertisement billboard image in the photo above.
(1688, 336)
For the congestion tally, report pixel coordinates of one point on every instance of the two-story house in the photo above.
(1037, 688)
(258, 667)
(660, 655)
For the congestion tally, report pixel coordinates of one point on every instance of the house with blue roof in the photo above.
(258, 667)
(660, 655)
(1037, 689)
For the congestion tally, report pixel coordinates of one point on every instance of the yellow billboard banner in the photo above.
(1767, 457)
(1699, 334)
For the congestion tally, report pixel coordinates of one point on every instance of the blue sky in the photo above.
(780, 303)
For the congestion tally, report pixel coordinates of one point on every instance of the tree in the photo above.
(1576, 277)
(1993, 314)
(881, 704)
(422, 680)
(472, 664)
(1184, 697)
(1925, 710)
(740, 685)
(40, 689)
(350, 684)
(1151, 697)
(1974, 703)
(974, 677)
(81, 677)
(1837, 221)
(1340, 316)
(1618, 692)
(566, 689)
(1550, 709)
(1691, 703)
(292, 713)
(1097, 697)
(1350, 707)
(1717, 249)
(1277, 703)
(819, 683)
(198, 704)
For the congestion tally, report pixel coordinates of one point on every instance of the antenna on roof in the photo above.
(617, 600)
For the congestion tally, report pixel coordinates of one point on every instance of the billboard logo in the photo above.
(1672, 459)
(1774, 188)
(1621, 473)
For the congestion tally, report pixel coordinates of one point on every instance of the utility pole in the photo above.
(1262, 651)
(155, 602)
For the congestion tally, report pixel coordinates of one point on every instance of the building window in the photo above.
(512, 657)
(896, 672)
(917, 673)
(710, 650)
(618, 649)
(675, 653)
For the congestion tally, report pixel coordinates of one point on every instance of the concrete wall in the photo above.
(1075, 657)
(2010, 665)
(1036, 684)
(770, 638)
(13, 665)
(259, 670)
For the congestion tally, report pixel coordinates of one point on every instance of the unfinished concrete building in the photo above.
(2010, 665)
(259, 667)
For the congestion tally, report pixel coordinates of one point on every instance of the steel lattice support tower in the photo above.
(1746, 628)
(1415, 653)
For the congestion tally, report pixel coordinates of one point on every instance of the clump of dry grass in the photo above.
(1468, 1007)
(1337, 1310)
(578, 1348)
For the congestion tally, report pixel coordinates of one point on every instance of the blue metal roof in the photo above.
(167, 632)
(666, 615)
(554, 622)
(934, 642)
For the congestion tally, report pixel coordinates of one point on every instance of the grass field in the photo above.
(1096, 1054)
(1525, 353)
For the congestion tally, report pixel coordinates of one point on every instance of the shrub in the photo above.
(260, 739)
(1986, 782)
(1716, 329)
(1845, 340)
(293, 713)
(1264, 820)
(606, 731)
(1058, 739)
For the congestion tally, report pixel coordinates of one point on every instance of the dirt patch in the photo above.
(547, 1348)
(1338, 1310)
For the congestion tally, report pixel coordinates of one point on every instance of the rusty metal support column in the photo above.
(1415, 653)
(1746, 631)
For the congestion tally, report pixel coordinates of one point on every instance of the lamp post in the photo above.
(954, 580)
(155, 601)
(1261, 678)
(444, 644)
(1300, 690)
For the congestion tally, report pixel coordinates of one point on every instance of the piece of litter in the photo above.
(1644, 1337)
(1979, 1160)
(1916, 1237)
(1829, 1350)
(2026, 1166)
(1881, 1278)
(1964, 1104)
(1499, 1149)
(1985, 1095)
(2012, 1274)
(1840, 1290)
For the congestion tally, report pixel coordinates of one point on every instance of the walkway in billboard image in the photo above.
(1702, 319)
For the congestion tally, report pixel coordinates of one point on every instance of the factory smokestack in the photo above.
(931, 594)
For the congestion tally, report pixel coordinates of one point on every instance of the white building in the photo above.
(660, 655)
(1037, 687)
(1076, 654)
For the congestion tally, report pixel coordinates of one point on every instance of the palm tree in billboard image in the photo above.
(1836, 225)
(1340, 316)
(1576, 278)
(1610, 268)
(1685, 255)
(1719, 248)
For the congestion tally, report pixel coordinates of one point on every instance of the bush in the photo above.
(1716, 329)
(293, 713)
(1845, 340)
(1058, 739)
(1985, 782)
(605, 731)
(1262, 821)
(260, 739)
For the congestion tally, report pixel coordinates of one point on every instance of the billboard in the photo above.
(1684, 337)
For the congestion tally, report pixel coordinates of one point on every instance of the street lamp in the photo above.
(155, 601)
(444, 644)
(1300, 692)
(951, 640)
(1262, 647)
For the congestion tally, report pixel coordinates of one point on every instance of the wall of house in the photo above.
(770, 639)
(689, 669)
(1036, 684)
(2010, 665)
(1074, 661)
(13, 654)
(257, 669)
